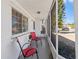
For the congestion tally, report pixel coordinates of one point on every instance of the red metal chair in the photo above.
(35, 38)
(27, 52)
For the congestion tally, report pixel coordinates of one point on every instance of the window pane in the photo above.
(14, 23)
(24, 24)
(48, 25)
(53, 25)
(19, 22)
(34, 25)
(66, 34)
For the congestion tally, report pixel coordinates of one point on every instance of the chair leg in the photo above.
(37, 55)
(23, 56)
(41, 42)
(36, 44)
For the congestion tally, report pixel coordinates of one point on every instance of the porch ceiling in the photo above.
(33, 6)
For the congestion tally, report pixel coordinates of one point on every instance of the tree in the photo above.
(61, 13)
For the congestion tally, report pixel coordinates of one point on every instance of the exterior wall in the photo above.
(38, 27)
(9, 47)
(30, 25)
(6, 48)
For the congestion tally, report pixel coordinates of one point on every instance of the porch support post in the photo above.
(50, 23)
(57, 29)
(76, 27)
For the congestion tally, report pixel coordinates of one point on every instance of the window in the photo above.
(24, 24)
(42, 21)
(34, 25)
(19, 22)
(53, 25)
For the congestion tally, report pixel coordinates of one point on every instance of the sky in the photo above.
(69, 16)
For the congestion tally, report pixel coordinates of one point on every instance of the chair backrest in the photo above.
(20, 46)
(23, 40)
(33, 35)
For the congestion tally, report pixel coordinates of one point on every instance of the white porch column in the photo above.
(76, 27)
(57, 29)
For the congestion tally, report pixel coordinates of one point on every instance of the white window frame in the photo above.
(57, 29)
(14, 4)
(21, 21)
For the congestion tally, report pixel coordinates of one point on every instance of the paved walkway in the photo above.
(70, 36)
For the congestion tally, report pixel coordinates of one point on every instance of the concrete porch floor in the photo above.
(43, 50)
